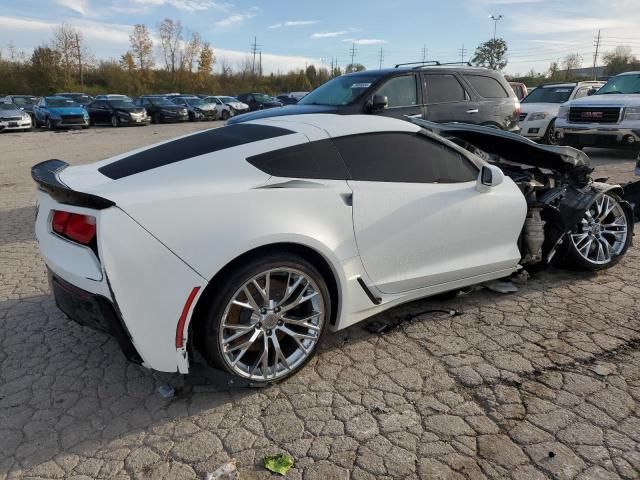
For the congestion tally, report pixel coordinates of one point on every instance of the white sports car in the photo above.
(250, 241)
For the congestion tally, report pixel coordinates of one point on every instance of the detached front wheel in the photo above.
(601, 237)
(268, 318)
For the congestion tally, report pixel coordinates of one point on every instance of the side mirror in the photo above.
(591, 91)
(378, 102)
(490, 176)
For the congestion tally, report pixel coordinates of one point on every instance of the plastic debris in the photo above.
(228, 471)
(501, 286)
(279, 464)
(521, 277)
(166, 391)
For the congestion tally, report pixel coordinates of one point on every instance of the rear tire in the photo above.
(602, 237)
(156, 118)
(235, 336)
(225, 115)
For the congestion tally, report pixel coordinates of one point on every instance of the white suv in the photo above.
(608, 119)
(539, 109)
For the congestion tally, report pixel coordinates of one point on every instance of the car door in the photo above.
(40, 110)
(403, 95)
(447, 100)
(419, 219)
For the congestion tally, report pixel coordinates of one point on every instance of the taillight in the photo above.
(74, 226)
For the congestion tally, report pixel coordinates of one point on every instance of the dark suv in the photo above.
(161, 109)
(436, 92)
(258, 101)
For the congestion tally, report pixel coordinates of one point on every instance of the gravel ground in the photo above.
(543, 383)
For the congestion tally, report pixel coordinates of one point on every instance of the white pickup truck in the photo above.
(610, 118)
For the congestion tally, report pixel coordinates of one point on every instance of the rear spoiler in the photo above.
(45, 174)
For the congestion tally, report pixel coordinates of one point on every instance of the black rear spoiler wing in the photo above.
(45, 174)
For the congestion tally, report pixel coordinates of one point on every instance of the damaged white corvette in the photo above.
(248, 242)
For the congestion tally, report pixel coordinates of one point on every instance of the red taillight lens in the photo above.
(75, 226)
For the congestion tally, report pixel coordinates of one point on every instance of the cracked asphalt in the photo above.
(542, 383)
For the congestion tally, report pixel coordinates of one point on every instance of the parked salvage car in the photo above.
(13, 118)
(128, 241)
(116, 112)
(237, 107)
(60, 112)
(161, 109)
(198, 109)
(225, 111)
(286, 99)
(259, 101)
(24, 102)
(540, 108)
(610, 118)
(433, 91)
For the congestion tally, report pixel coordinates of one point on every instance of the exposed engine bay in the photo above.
(568, 210)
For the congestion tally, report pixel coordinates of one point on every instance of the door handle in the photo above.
(473, 110)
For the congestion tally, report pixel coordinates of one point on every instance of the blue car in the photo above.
(59, 112)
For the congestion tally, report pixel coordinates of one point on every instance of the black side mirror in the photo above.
(378, 102)
(591, 91)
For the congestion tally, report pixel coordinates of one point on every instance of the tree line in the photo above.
(66, 63)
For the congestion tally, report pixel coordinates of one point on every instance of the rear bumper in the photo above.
(93, 311)
(601, 136)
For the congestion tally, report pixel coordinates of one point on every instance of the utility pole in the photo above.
(352, 52)
(79, 55)
(260, 69)
(254, 51)
(462, 51)
(381, 56)
(595, 55)
(425, 52)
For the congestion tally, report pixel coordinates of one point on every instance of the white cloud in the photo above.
(365, 41)
(539, 24)
(293, 23)
(187, 5)
(79, 6)
(235, 19)
(271, 63)
(329, 34)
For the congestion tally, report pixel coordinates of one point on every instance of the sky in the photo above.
(294, 33)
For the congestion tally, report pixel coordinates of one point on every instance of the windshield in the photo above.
(549, 95)
(61, 102)
(24, 100)
(162, 102)
(122, 104)
(624, 84)
(8, 106)
(195, 101)
(339, 91)
(261, 98)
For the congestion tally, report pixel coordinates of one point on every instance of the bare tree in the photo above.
(571, 62)
(190, 53)
(170, 40)
(225, 67)
(64, 42)
(142, 47)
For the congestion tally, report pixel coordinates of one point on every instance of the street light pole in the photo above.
(496, 19)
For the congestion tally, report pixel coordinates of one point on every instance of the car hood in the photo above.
(607, 99)
(11, 113)
(67, 110)
(511, 146)
(280, 112)
(208, 106)
(550, 108)
(130, 109)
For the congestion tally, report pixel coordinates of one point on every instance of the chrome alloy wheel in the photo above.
(272, 324)
(602, 232)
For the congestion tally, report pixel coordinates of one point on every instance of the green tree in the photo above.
(45, 75)
(620, 60)
(491, 54)
(354, 67)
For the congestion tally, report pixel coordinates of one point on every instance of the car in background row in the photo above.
(520, 89)
(24, 102)
(436, 92)
(57, 112)
(116, 112)
(258, 101)
(161, 109)
(197, 108)
(112, 96)
(610, 118)
(80, 98)
(539, 109)
(286, 99)
(12, 117)
(223, 110)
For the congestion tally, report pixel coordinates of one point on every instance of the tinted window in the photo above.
(444, 88)
(310, 160)
(403, 157)
(487, 87)
(339, 91)
(401, 91)
(549, 95)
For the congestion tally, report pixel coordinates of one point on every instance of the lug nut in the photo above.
(268, 332)
(280, 323)
(263, 311)
(259, 325)
(277, 309)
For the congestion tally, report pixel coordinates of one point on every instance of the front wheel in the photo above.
(225, 115)
(114, 121)
(601, 237)
(267, 319)
(50, 124)
(550, 134)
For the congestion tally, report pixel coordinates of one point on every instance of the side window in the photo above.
(582, 92)
(403, 157)
(318, 159)
(444, 88)
(146, 102)
(487, 87)
(401, 91)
